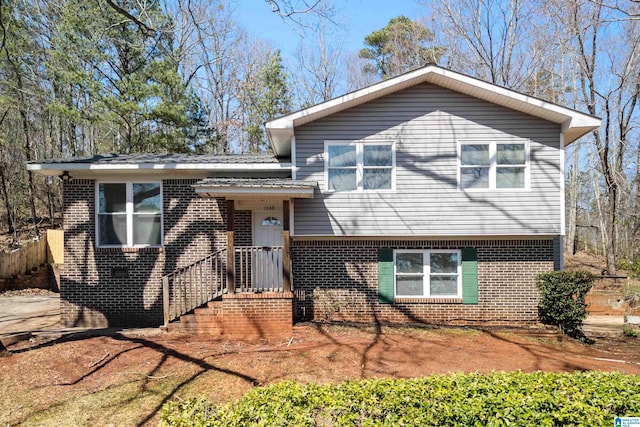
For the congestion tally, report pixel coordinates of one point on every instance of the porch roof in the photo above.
(159, 164)
(240, 188)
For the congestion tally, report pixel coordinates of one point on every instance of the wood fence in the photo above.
(49, 249)
(55, 246)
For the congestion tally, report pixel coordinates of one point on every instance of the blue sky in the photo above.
(361, 18)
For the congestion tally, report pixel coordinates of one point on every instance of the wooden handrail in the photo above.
(193, 285)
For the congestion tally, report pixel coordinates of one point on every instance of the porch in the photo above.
(241, 289)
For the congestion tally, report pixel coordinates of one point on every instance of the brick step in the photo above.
(193, 329)
(194, 319)
(208, 311)
(203, 321)
(215, 304)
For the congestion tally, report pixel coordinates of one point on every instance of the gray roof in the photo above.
(163, 159)
(254, 183)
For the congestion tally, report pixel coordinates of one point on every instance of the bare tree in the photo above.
(318, 75)
(493, 39)
(609, 86)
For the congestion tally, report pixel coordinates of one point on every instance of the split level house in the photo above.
(431, 197)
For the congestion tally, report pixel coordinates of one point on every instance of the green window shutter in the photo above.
(385, 276)
(469, 276)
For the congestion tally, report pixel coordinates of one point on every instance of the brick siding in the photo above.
(338, 281)
(91, 296)
(259, 315)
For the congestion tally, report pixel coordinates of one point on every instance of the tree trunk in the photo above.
(7, 204)
(612, 246)
(27, 150)
(636, 227)
(571, 242)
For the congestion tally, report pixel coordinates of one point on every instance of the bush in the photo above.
(562, 299)
(632, 267)
(497, 399)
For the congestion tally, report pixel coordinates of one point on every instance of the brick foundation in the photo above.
(260, 315)
(337, 281)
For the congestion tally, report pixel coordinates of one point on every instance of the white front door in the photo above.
(267, 254)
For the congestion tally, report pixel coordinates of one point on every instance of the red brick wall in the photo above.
(260, 315)
(91, 296)
(338, 280)
(242, 224)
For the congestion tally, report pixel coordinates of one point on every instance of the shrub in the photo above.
(632, 267)
(562, 299)
(497, 399)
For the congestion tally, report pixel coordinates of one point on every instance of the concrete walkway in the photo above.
(20, 315)
(599, 326)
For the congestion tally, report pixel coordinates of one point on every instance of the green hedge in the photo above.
(497, 399)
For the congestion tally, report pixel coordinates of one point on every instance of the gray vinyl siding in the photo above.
(426, 122)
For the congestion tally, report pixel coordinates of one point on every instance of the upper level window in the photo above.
(129, 214)
(357, 166)
(489, 165)
(428, 274)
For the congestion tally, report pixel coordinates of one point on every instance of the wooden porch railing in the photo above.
(259, 269)
(194, 285)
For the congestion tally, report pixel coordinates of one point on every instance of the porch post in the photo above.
(231, 252)
(286, 256)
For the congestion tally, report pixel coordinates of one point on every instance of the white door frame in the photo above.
(267, 264)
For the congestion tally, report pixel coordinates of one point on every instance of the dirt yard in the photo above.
(124, 379)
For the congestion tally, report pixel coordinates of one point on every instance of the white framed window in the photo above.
(427, 273)
(359, 165)
(129, 214)
(489, 165)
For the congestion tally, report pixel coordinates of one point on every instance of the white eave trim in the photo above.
(574, 124)
(235, 192)
(55, 169)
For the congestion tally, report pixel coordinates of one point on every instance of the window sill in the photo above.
(148, 249)
(424, 300)
(364, 192)
(494, 190)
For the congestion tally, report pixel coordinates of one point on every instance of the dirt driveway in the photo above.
(22, 312)
(124, 379)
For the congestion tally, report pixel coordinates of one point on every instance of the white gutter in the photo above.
(55, 169)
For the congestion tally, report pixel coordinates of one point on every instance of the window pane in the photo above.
(146, 197)
(377, 155)
(510, 177)
(377, 179)
(474, 177)
(342, 155)
(406, 286)
(342, 179)
(112, 197)
(510, 154)
(477, 154)
(270, 221)
(146, 229)
(444, 262)
(112, 229)
(409, 262)
(443, 285)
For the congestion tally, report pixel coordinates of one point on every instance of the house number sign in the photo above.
(269, 208)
